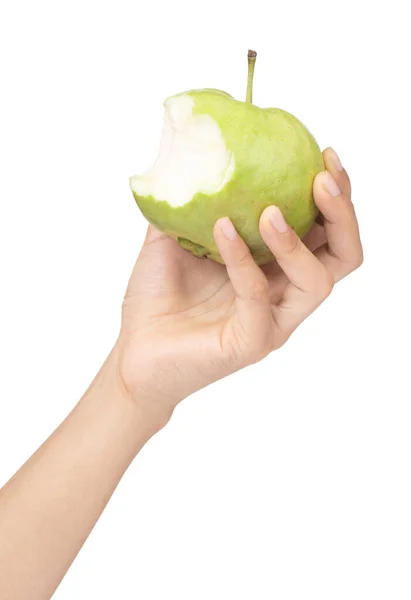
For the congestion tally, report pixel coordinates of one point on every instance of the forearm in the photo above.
(49, 507)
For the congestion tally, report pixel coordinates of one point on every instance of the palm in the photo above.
(189, 308)
(170, 283)
(181, 304)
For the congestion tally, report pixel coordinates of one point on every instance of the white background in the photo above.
(291, 479)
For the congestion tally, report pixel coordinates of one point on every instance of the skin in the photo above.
(186, 322)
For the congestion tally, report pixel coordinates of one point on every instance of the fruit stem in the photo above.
(252, 55)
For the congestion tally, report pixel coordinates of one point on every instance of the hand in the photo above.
(188, 322)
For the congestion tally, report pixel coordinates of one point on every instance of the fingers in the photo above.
(153, 235)
(337, 171)
(249, 282)
(310, 282)
(276, 277)
(343, 252)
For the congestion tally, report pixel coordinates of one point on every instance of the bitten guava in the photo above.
(221, 157)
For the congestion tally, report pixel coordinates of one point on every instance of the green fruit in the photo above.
(220, 157)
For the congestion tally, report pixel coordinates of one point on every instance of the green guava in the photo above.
(221, 157)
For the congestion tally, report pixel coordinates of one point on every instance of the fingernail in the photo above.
(330, 185)
(335, 160)
(227, 228)
(277, 220)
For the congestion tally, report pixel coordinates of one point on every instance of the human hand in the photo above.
(187, 322)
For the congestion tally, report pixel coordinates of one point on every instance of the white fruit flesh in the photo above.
(192, 158)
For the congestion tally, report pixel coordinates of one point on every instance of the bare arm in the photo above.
(49, 507)
(186, 323)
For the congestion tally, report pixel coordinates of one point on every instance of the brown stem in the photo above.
(252, 55)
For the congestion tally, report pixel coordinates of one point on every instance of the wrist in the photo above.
(137, 401)
(117, 424)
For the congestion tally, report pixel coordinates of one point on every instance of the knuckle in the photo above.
(327, 283)
(359, 259)
(293, 244)
(350, 207)
(259, 289)
(355, 262)
(348, 186)
(244, 259)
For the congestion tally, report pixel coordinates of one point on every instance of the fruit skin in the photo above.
(276, 161)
